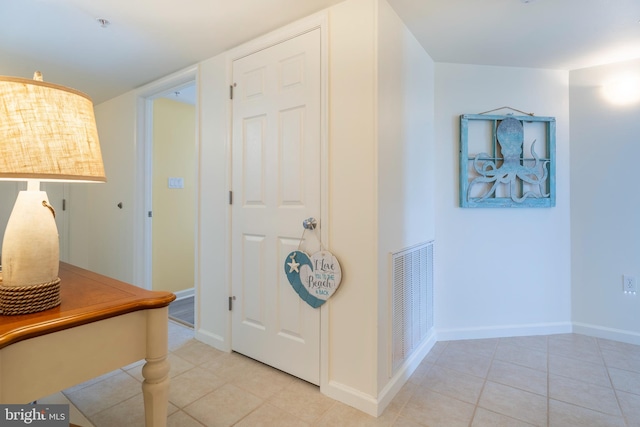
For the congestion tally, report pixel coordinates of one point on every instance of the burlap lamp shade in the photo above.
(47, 133)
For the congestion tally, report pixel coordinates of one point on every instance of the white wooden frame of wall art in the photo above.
(480, 148)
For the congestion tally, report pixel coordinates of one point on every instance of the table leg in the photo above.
(155, 387)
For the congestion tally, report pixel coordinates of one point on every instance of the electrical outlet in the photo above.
(629, 285)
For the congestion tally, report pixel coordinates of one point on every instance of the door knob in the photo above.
(309, 223)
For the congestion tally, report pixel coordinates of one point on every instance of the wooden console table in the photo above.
(102, 325)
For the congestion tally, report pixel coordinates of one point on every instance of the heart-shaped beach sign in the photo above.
(323, 276)
(313, 278)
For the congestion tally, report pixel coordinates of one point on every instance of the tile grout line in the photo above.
(615, 391)
(484, 383)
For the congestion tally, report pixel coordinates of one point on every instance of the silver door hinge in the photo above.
(64, 204)
(231, 299)
(231, 90)
(230, 197)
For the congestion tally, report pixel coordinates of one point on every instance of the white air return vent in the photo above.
(412, 300)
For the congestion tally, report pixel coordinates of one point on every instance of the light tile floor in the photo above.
(557, 380)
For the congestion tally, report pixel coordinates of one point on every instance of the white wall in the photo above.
(174, 209)
(213, 320)
(108, 230)
(500, 272)
(605, 148)
(405, 157)
(352, 350)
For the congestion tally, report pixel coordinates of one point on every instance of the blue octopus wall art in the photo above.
(505, 178)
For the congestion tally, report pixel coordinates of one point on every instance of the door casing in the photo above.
(144, 148)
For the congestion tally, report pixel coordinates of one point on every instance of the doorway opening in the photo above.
(168, 158)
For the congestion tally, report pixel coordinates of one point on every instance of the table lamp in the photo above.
(47, 133)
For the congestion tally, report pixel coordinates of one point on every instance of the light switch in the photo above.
(176, 182)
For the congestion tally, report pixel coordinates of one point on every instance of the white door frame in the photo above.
(319, 20)
(143, 186)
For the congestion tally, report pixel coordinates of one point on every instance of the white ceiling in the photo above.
(149, 39)
(553, 34)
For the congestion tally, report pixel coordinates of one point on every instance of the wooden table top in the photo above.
(86, 297)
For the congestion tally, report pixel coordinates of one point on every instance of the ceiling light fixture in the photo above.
(623, 89)
(104, 23)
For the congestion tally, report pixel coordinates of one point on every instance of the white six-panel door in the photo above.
(276, 185)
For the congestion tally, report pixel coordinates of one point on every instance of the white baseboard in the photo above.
(352, 397)
(404, 372)
(214, 340)
(504, 331)
(186, 293)
(628, 337)
(376, 406)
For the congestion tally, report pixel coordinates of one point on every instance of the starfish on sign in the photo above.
(293, 264)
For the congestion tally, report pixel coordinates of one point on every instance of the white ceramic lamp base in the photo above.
(30, 256)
